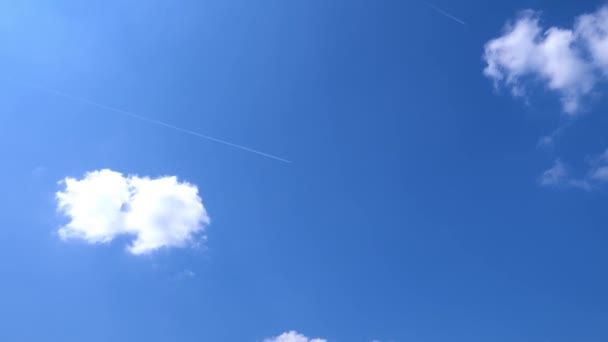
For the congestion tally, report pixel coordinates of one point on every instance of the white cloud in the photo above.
(568, 61)
(558, 176)
(599, 171)
(593, 29)
(105, 204)
(555, 175)
(187, 274)
(293, 336)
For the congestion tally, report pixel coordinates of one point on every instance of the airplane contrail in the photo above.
(444, 13)
(151, 121)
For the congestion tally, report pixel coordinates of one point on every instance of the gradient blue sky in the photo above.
(412, 210)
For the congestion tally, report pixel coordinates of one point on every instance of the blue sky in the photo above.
(427, 201)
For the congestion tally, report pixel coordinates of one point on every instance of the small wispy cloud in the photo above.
(550, 139)
(186, 274)
(443, 12)
(39, 171)
(600, 174)
(559, 175)
(599, 170)
(555, 175)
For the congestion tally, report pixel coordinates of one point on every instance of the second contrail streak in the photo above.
(440, 11)
(152, 121)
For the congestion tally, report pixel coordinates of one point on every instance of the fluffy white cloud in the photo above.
(293, 336)
(568, 61)
(105, 204)
(593, 29)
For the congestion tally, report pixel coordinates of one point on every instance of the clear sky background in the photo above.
(417, 207)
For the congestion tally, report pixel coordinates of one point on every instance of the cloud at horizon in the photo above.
(293, 336)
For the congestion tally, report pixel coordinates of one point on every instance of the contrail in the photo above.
(150, 121)
(440, 11)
